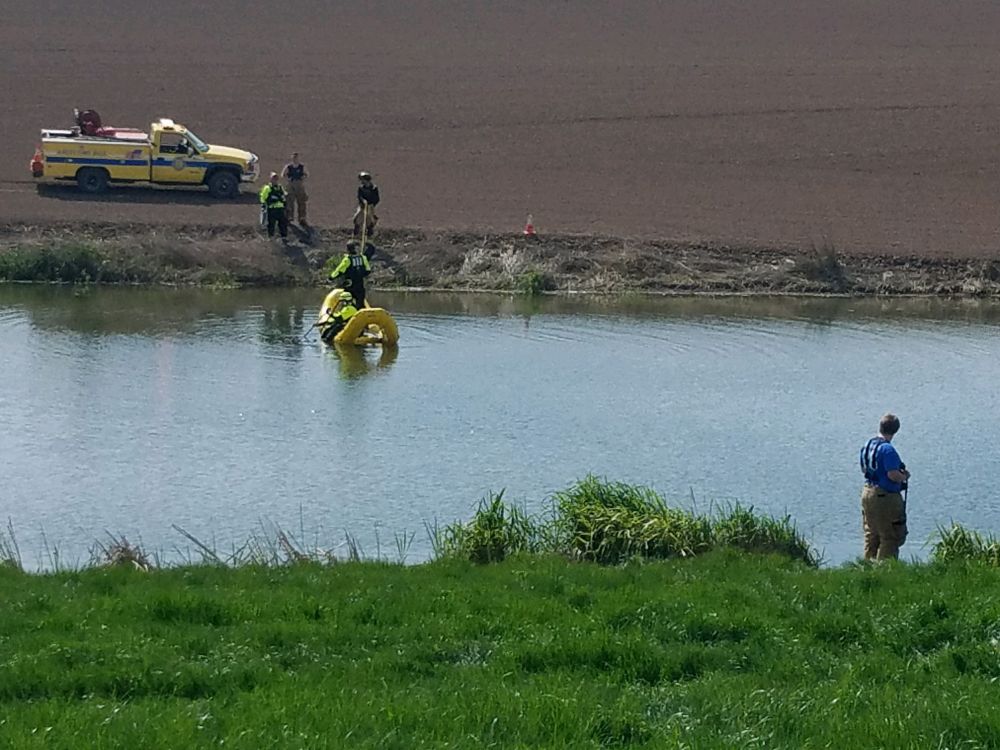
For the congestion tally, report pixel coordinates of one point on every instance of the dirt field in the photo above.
(871, 126)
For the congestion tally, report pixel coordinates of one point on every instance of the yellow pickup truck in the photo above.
(169, 154)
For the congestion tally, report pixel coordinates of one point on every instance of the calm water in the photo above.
(132, 410)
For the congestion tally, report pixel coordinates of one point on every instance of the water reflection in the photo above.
(156, 311)
(358, 361)
(820, 311)
(93, 310)
(281, 327)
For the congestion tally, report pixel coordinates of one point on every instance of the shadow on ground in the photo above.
(142, 194)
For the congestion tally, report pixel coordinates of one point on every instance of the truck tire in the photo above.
(92, 180)
(223, 184)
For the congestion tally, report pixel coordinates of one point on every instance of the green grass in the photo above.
(610, 621)
(722, 650)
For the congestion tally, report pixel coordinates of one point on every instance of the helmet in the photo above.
(346, 296)
(364, 175)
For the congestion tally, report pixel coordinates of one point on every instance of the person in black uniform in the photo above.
(295, 175)
(368, 198)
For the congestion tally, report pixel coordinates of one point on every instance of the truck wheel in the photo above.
(223, 184)
(92, 180)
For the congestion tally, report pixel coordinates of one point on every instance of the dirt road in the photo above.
(869, 126)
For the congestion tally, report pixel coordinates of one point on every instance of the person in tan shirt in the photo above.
(295, 176)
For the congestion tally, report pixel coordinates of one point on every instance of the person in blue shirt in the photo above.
(883, 509)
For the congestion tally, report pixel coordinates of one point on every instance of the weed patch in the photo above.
(823, 266)
(75, 263)
(534, 282)
(957, 543)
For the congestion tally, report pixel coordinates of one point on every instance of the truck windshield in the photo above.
(197, 142)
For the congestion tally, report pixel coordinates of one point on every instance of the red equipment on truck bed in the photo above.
(89, 123)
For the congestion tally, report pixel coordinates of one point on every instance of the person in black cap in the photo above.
(368, 198)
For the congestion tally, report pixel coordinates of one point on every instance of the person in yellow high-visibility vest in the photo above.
(272, 199)
(338, 316)
(352, 271)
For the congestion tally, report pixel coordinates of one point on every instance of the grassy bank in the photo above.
(611, 620)
(240, 255)
(721, 651)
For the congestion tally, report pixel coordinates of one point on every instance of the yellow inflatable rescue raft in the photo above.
(369, 327)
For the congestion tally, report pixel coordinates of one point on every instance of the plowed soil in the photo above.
(871, 127)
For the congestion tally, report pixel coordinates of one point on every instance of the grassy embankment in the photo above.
(722, 649)
(106, 254)
(240, 256)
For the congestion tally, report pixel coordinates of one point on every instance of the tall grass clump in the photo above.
(70, 263)
(497, 531)
(824, 266)
(960, 543)
(610, 522)
(119, 551)
(10, 553)
(269, 547)
(741, 528)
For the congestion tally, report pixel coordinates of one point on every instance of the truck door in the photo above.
(175, 161)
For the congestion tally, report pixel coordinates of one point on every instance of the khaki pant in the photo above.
(297, 199)
(359, 219)
(884, 517)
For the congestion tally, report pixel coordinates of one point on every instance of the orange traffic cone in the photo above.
(529, 227)
(37, 163)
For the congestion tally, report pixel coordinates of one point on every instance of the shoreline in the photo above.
(418, 260)
(593, 520)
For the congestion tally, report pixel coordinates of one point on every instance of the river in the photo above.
(131, 411)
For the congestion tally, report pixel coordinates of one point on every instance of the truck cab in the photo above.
(179, 156)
